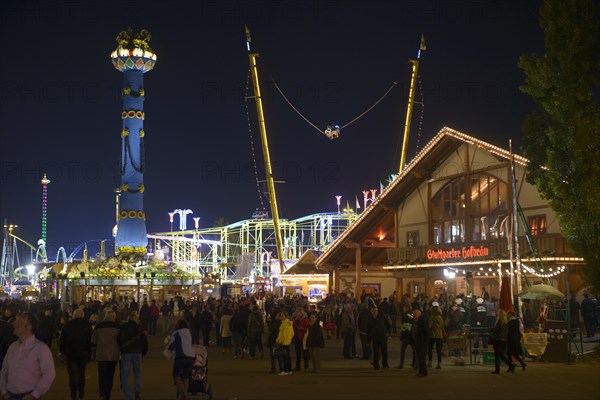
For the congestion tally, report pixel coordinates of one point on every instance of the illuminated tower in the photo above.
(45, 181)
(133, 57)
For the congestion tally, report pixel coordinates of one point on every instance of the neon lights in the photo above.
(45, 181)
(464, 253)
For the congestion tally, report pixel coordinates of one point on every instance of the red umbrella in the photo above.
(505, 303)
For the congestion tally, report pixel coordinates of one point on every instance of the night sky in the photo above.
(60, 101)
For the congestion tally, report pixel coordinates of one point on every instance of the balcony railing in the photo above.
(548, 245)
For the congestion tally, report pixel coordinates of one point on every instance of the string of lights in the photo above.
(422, 103)
(246, 90)
(547, 272)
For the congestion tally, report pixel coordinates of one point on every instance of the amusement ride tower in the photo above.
(45, 181)
(133, 57)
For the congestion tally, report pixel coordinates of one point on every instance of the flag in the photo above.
(357, 203)
(248, 34)
(422, 47)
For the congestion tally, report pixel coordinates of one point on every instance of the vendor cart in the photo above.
(457, 343)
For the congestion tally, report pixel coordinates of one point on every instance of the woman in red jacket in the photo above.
(300, 324)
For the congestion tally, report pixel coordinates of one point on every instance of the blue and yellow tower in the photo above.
(133, 57)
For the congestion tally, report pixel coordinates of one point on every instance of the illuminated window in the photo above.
(412, 238)
(537, 224)
(485, 198)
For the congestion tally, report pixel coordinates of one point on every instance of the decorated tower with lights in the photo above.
(45, 181)
(133, 57)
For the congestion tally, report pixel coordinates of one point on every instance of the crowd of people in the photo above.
(289, 330)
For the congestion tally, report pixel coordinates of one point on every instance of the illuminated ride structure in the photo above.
(239, 253)
(247, 248)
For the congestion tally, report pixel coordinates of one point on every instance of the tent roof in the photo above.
(374, 229)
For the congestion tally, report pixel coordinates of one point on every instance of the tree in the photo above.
(562, 136)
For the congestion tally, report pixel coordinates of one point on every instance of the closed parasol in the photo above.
(541, 291)
(505, 303)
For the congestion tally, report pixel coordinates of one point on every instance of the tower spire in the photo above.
(133, 57)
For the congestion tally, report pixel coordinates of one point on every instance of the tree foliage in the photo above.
(562, 136)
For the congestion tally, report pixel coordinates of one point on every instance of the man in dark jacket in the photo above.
(273, 325)
(378, 328)
(364, 316)
(256, 327)
(144, 315)
(75, 344)
(133, 343)
(420, 337)
(588, 308)
(7, 337)
(46, 327)
(206, 320)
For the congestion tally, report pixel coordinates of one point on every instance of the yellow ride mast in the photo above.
(265, 145)
(411, 100)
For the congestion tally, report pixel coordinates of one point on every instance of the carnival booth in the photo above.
(550, 342)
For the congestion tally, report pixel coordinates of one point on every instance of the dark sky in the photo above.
(60, 100)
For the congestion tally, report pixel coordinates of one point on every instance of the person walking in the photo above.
(498, 338)
(405, 341)
(574, 308)
(420, 338)
(301, 325)
(237, 333)
(256, 327)
(28, 367)
(106, 348)
(273, 326)
(284, 339)
(377, 334)
(46, 327)
(588, 308)
(134, 345)
(154, 315)
(438, 334)
(315, 342)
(7, 337)
(225, 331)
(347, 328)
(205, 321)
(180, 343)
(513, 340)
(76, 345)
(362, 323)
(144, 315)
(165, 320)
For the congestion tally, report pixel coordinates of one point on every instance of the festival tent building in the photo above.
(445, 224)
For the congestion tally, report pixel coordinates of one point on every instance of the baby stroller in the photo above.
(198, 380)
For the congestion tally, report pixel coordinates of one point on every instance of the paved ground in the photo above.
(353, 379)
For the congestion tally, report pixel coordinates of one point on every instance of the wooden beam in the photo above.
(385, 244)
